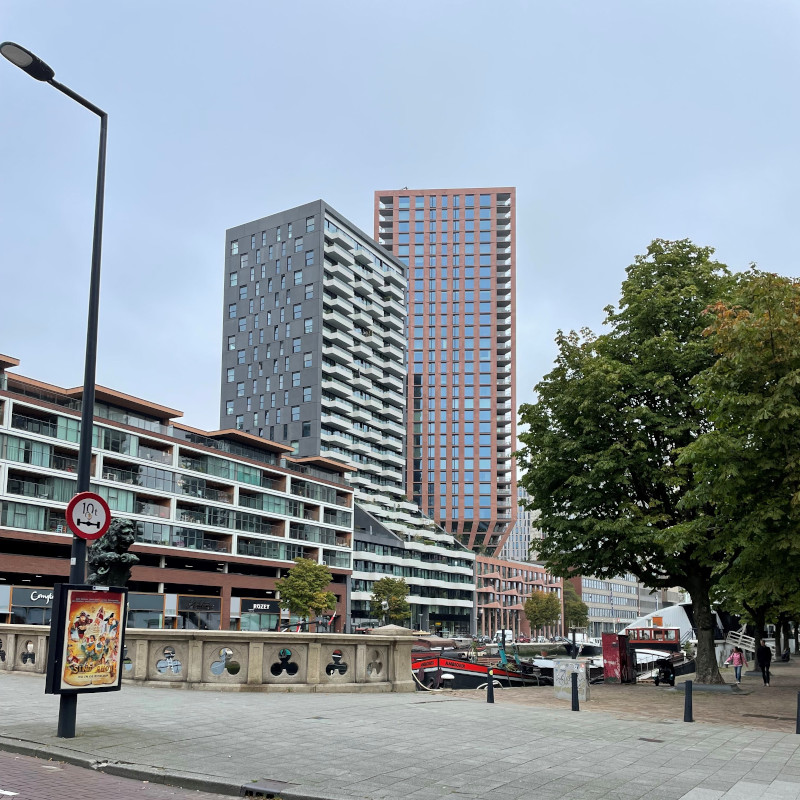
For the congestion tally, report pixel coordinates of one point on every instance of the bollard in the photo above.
(797, 724)
(687, 702)
(490, 687)
(575, 702)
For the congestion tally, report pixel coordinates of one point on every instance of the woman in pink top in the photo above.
(738, 660)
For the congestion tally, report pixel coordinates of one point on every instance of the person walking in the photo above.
(764, 660)
(738, 660)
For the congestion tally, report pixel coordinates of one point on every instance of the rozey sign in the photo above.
(88, 515)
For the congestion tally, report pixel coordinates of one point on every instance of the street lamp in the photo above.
(36, 68)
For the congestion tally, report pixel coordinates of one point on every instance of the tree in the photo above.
(542, 609)
(600, 453)
(394, 592)
(576, 612)
(303, 591)
(748, 464)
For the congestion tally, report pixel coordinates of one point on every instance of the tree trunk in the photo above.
(706, 668)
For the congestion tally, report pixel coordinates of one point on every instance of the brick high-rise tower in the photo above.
(459, 246)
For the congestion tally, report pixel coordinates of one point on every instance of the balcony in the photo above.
(338, 304)
(336, 337)
(43, 427)
(340, 239)
(37, 489)
(335, 353)
(341, 256)
(335, 284)
(336, 387)
(336, 371)
(151, 509)
(363, 256)
(337, 320)
(337, 270)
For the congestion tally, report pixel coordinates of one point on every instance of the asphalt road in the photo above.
(25, 778)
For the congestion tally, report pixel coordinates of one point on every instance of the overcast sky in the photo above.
(618, 122)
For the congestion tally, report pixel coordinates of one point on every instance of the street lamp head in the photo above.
(27, 61)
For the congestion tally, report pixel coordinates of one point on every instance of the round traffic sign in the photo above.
(88, 515)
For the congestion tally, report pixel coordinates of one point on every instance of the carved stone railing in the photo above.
(239, 660)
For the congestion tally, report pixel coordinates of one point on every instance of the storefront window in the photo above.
(199, 613)
(31, 605)
(145, 611)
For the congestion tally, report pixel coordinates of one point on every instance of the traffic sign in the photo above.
(88, 515)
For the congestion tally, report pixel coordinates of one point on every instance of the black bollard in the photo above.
(490, 687)
(575, 701)
(797, 724)
(687, 702)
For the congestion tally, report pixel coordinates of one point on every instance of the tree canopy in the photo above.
(576, 612)
(394, 592)
(542, 609)
(304, 590)
(601, 451)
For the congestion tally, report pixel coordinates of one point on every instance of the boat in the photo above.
(437, 664)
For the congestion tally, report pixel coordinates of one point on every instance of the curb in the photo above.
(181, 780)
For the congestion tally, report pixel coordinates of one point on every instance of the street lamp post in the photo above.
(36, 68)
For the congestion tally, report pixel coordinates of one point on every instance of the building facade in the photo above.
(521, 543)
(459, 248)
(314, 356)
(503, 588)
(613, 603)
(219, 515)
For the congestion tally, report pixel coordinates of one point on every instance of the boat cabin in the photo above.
(668, 639)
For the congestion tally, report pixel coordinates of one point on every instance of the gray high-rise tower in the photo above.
(314, 356)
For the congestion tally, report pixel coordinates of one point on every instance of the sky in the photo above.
(617, 122)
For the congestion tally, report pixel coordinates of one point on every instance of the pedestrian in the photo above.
(764, 659)
(738, 660)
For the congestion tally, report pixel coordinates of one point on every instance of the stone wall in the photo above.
(239, 660)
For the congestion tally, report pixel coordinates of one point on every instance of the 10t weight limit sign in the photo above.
(88, 515)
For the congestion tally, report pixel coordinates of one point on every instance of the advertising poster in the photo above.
(93, 629)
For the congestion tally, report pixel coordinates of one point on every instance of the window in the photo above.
(297, 311)
(309, 257)
(234, 278)
(295, 345)
(295, 413)
(306, 429)
(231, 343)
(298, 277)
(243, 292)
(240, 422)
(308, 325)
(229, 407)
(289, 226)
(309, 291)
(306, 394)
(240, 357)
(298, 244)
(232, 311)
(243, 261)
(309, 224)
(278, 234)
(240, 389)
(235, 248)
(308, 359)
(295, 379)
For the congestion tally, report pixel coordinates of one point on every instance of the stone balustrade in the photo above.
(240, 660)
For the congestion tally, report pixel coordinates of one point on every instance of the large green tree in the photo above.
(304, 590)
(542, 609)
(393, 592)
(600, 453)
(748, 465)
(576, 612)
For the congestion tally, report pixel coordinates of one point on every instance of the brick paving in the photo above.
(627, 742)
(26, 778)
(752, 705)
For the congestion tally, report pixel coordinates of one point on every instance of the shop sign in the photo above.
(31, 596)
(199, 603)
(260, 606)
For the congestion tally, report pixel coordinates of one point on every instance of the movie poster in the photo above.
(92, 655)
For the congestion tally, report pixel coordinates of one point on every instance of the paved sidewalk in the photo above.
(401, 747)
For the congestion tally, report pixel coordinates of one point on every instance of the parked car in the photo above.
(523, 639)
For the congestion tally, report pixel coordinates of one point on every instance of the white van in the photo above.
(505, 636)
